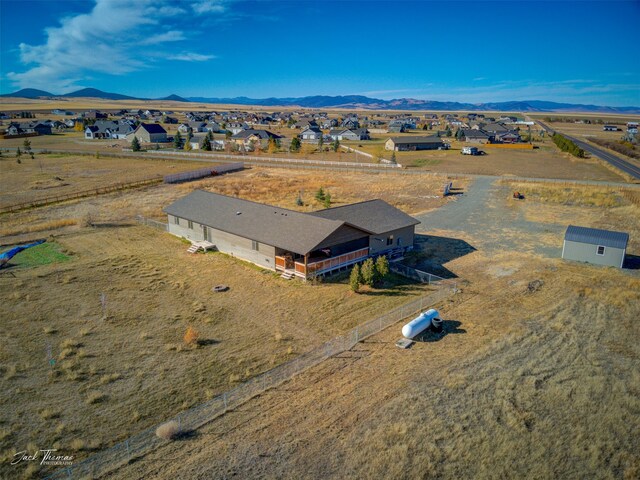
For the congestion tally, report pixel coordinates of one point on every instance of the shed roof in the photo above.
(373, 216)
(594, 236)
(419, 139)
(293, 231)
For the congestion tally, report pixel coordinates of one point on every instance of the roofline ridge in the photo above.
(264, 204)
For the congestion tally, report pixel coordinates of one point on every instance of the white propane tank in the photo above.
(420, 323)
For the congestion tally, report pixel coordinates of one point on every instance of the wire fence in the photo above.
(419, 275)
(82, 194)
(126, 451)
(152, 223)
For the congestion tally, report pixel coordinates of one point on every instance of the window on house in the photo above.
(390, 240)
(190, 224)
(254, 245)
(600, 250)
(176, 220)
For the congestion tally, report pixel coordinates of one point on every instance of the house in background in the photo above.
(472, 135)
(257, 137)
(305, 245)
(310, 134)
(149, 133)
(349, 134)
(402, 144)
(592, 245)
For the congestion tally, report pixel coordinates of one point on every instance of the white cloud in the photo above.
(191, 57)
(114, 38)
(209, 6)
(170, 36)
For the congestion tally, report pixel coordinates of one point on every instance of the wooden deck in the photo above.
(319, 267)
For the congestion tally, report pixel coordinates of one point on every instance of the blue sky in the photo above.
(578, 52)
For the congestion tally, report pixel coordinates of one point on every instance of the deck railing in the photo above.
(321, 266)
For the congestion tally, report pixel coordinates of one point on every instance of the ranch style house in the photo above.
(305, 245)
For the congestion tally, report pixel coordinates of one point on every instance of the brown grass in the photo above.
(573, 195)
(39, 227)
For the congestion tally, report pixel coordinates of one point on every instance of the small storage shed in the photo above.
(602, 247)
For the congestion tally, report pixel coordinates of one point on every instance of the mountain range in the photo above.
(345, 101)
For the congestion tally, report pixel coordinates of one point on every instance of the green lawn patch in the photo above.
(43, 254)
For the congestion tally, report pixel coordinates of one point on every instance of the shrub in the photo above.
(368, 272)
(191, 336)
(168, 431)
(567, 145)
(354, 278)
(382, 268)
(96, 397)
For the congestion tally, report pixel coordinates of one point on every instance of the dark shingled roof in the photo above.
(421, 139)
(293, 231)
(596, 236)
(152, 127)
(373, 216)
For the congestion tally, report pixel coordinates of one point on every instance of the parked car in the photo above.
(469, 151)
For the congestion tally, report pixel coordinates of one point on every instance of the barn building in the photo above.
(591, 245)
(403, 144)
(304, 245)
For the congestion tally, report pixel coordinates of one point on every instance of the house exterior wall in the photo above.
(585, 252)
(225, 242)
(404, 234)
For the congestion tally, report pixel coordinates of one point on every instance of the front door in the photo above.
(205, 233)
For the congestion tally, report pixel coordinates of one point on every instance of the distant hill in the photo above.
(28, 93)
(95, 93)
(351, 102)
(359, 101)
(174, 98)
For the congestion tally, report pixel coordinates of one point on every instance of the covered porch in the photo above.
(309, 265)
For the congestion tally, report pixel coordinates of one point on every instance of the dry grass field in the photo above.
(415, 193)
(544, 162)
(536, 377)
(60, 174)
(126, 368)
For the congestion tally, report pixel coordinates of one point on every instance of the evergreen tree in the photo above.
(320, 142)
(448, 132)
(354, 278)
(228, 134)
(327, 200)
(336, 145)
(27, 145)
(135, 144)
(18, 152)
(206, 144)
(393, 157)
(459, 134)
(320, 195)
(210, 136)
(382, 268)
(295, 144)
(368, 272)
(177, 140)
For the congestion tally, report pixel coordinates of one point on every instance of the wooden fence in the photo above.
(82, 194)
(512, 146)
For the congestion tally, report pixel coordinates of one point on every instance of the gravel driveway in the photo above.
(483, 216)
